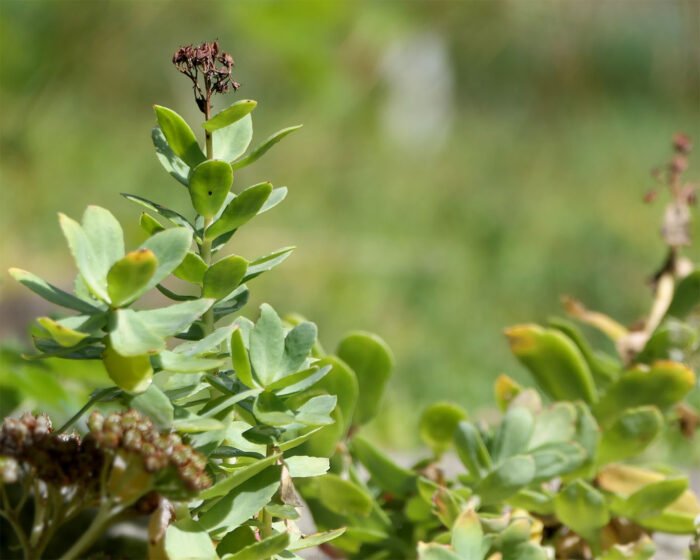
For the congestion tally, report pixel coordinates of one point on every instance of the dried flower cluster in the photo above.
(56, 459)
(209, 68)
(676, 225)
(134, 432)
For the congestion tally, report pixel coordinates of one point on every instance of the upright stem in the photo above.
(205, 247)
(101, 520)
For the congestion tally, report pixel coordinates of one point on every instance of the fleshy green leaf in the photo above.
(243, 502)
(129, 277)
(297, 346)
(654, 497)
(187, 540)
(84, 255)
(234, 112)
(179, 136)
(51, 293)
(508, 478)
(241, 362)
(131, 373)
(513, 434)
(686, 296)
(372, 361)
(663, 384)
(438, 424)
(177, 168)
(316, 411)
(230, 142)
(156, 405)
(240, 210)
(468, 536)
(471, 450)
(267, 345)
(192, 269)
(105, 236)
(554, 361)
(210, 182)
(224, 276)
(260, 150)
(581, 507)
(630, 433)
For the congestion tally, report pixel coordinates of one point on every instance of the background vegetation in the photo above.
(461, 165)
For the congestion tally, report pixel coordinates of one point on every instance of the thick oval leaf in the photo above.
(105, 235)
(471, 450)
(340, 381)
(372, 361)
(554, 361)
(513, 435)
(239, 476)
(210, 182)
(129, 277)
(90, 267)
(240, 210)
(131, 373)
(177, 168)
(316, 539)
(434, 551)
(267, 345)
(192, 269)
(384, 472)
(243, 502)
(129, 334)
(297, 346)
(438, 424)
(234, 112)
(557, 458)
(511, 476)
(51, 293)
(187, 540)
(240, 359)
(663, 384)
(179, 136)
(224, 276)
(581, 507)
(630, 433)
(468, 536)
(156, 405)
(260, 150)
(231, 142)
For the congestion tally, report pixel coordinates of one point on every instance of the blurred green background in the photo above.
(462, 163)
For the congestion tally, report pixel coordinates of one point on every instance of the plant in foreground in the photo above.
(217, 410)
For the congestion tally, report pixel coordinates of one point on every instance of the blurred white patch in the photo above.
(418, 77)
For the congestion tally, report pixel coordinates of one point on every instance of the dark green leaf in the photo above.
(224, 276)
(129, 277)
(52, 293)
(177, 168)
(234, 112)
(210, 182)
(240, 210)
(179, 136)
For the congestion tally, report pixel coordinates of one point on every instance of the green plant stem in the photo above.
(102, 394)
(103, 518)
(205, 247)
(9, 513)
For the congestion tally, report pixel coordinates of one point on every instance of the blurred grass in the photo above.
(462, 164)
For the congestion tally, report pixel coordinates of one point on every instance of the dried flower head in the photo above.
(210, 70)
(134, 432)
